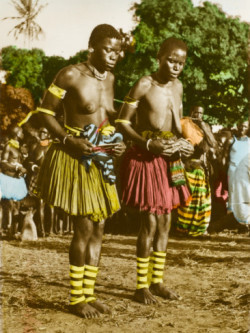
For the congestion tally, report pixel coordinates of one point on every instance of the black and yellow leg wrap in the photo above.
(76, 290)
(89, 280)
(142, 273)
(158, 263)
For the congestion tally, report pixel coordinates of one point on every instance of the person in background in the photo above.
(12, 183)
(193, 218)
(238, 174)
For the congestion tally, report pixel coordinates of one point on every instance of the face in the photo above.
(172, 63)
(106, 54)
(242, 128)
(43, 133)
(197, 112)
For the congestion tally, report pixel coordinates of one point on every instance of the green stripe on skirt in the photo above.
(194, 218)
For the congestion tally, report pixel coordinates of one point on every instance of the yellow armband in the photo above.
(47, 111)
(14, 143)
(51, 113)
(131, 101)
(56, 91)
(123, 121)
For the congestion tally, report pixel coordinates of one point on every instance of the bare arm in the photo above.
(14, 166)
(129, 110)
(64, 80)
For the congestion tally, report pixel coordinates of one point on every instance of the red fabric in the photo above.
(145, 183)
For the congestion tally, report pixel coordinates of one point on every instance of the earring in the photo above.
(91, 50)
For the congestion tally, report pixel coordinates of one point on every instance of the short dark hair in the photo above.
(102, 31)
(170, 42)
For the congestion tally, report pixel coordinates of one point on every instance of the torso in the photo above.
(88, 100)
(159, 108)
(13, 158)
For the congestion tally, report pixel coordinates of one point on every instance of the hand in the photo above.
(21, 171)
(157, 146)
(119, 149)
(186, 148)
(80, 146)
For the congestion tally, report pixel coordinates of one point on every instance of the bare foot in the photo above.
(159, 289)
(100, 307)
(84, 310)
(144, 296)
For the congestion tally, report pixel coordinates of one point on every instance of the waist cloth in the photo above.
(12, 188)
(77, 187)
(146, 182)
(194, 218)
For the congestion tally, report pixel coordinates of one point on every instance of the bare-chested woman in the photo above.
(77, 174)
(12, 183)
(151, 182)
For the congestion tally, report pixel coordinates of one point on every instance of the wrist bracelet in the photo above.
(33, 166)
(65, 138)
(147, 144)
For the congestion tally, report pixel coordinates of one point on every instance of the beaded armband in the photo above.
(56, 91)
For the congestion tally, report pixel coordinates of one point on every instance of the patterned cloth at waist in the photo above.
(98, 136)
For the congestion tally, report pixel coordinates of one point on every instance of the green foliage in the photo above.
(51, 67)
(216, 68)
(26, 69)
(33, 70)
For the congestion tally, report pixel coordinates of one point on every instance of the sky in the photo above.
(68, 23)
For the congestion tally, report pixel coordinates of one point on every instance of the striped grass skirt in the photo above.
(194, 218)
(146, 184)
(64, 182)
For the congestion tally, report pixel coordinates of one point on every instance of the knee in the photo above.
(148, 231)
(82, 229)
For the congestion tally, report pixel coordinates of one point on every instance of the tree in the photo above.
(216, 68)
(25, 69)
(28, 11)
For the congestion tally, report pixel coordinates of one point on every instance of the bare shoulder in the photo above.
(178, 86)
(67, 76)
(110, 77)
(141, 87)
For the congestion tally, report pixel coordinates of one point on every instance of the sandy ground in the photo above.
(211, 275)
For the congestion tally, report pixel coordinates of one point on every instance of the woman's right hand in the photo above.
(79, 146)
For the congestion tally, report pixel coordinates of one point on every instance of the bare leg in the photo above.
(160, 245)
(144, 243)
(1, 220)
(9, 209)
(52, 221)
(83, 230)
(41, 216)
(65, 223)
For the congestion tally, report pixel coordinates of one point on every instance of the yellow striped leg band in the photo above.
(142, 273)
(158, 264)
(76, 291)
(89, 280)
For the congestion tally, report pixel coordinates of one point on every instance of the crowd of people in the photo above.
(170, 169)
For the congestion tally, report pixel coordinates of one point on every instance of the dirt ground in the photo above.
(211, 275)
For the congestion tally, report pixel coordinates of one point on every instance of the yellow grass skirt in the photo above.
(64, 182)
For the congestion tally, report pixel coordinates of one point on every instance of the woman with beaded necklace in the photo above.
(77, 174)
